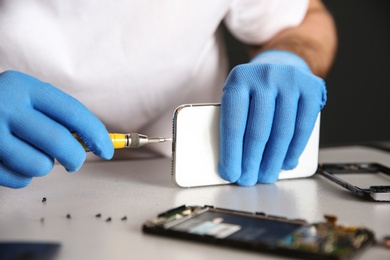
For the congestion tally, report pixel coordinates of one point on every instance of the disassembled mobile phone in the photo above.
(195, 148)
(359, 171)
(261, 232)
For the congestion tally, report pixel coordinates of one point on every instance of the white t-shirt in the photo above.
(132, 62)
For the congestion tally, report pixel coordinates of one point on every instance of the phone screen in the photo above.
(261, 232)
(237, 227)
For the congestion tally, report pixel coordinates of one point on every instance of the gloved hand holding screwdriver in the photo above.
(36, 121)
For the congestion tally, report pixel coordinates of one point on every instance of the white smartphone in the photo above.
(195, 148)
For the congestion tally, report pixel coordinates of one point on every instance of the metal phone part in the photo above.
(374, 192)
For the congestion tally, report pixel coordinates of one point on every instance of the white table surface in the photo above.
(140, 189)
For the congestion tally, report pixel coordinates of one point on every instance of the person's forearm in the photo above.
(314, 39)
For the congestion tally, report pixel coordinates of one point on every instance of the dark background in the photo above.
(358, 85)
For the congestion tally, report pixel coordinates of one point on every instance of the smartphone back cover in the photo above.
(195, 149)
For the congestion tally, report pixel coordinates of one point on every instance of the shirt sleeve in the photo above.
(256, 21)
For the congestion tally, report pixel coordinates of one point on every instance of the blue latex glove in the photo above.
(36, 120)
(268, 111)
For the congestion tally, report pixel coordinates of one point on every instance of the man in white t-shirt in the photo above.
(91, 67)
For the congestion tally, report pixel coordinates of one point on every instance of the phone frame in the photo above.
(374, 193)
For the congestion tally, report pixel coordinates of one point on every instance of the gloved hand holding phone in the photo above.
(268, 111)
(36, 125)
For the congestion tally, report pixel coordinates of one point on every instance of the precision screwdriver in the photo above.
(131, 140)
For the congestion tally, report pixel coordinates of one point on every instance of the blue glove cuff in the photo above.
(281, 57)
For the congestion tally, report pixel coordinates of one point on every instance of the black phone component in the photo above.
(372, 192)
